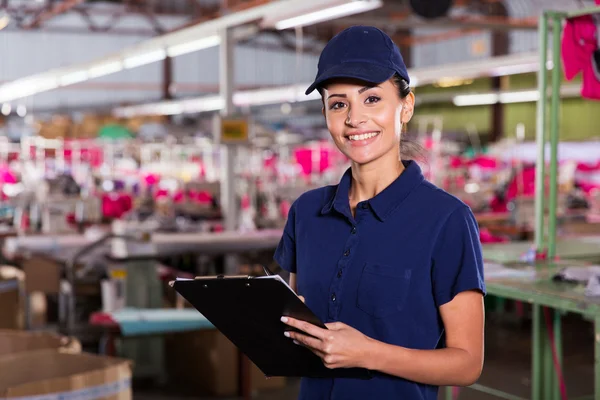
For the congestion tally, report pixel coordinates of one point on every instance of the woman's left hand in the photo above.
(339, 346)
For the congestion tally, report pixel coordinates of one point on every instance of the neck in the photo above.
(368, 180)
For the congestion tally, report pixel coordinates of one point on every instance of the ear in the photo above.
(409, 108)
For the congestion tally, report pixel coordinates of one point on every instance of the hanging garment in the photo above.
(578, 46)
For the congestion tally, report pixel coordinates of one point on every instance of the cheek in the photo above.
(389, 120)
(335, 124)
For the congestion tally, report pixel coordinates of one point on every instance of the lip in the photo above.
(361, 143)
(359, 133)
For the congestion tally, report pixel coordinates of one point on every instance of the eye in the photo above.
(372, 99)
(336, 105)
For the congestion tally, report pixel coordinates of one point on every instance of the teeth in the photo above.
(363, 136)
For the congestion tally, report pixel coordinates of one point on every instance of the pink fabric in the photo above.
(7, 176)
(178, 197)
(151, 179)
(304, 158)
(115, 205)
(202, 197)
(485, 162)
(577, 45)
(527, 177)
(485, 236)
(161, 193)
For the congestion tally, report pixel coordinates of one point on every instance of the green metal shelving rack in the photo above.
(542, 292)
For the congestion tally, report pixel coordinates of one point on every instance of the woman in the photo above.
(391, 263)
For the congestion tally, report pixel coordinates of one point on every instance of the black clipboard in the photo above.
(248, 311)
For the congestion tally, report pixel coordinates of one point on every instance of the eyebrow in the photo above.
(360, 91)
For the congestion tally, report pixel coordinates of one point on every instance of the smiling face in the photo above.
(365, 121)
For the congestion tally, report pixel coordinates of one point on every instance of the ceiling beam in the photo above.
(55, 9)
(435, 37)
(478, 22)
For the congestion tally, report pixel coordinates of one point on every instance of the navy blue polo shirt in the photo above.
(407, 251)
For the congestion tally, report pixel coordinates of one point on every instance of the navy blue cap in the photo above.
(360, 52)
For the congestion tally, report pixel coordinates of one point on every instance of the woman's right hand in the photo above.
(302, 298)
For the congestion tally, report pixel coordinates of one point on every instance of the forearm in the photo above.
(441, 367)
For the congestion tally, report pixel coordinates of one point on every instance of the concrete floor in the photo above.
(507, 364)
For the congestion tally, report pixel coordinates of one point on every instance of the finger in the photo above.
(335, 326)
(302, 298)
(305, 327)
(306, 340)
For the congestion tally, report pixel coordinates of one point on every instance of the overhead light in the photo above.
(196, 45)
(144, 58)
(523, 96)
(25, 87)
(520, 97)
(21, 111)
(73, 77)
(342, 10)
(202, 104)
(285, 94)
(193, 105)
(104, 69)
(475, 99)
(6, 109)
(4, 20)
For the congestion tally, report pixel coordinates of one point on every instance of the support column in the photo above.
(167, 78)
(536, 353)
(500, 47)
(228, 152)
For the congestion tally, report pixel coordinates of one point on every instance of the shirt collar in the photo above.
(385, 202)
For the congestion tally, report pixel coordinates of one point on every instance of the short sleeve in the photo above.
(457, 257)
(285, 254)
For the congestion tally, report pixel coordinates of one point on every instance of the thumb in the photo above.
(302, 298)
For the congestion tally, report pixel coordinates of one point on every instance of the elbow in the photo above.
(471, 374)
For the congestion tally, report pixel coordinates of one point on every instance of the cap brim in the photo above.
(363, 71)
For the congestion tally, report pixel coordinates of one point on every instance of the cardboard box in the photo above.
(12, 304)
(207, 362)
(50, 372)
(16, 342)
(43, 274)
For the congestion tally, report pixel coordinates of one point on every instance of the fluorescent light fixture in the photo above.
(6, 109)
(192, 46)
(25, 87)
(104, 69)
(327, 14)
(4, 20)
(475, 99)
(193, 105)
(73, 77)
(523, 96)
(144, 58)
(21, 111)
(202, 104)
(520, 97)
(285, 94)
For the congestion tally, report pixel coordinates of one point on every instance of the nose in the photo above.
(355, 117)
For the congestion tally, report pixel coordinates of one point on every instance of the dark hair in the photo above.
(410, 149)
(402, 85)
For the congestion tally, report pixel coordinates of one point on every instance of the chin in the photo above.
(362, 159)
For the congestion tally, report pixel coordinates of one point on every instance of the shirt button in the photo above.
(339, 275)
(365, 205)
(333, 297)
(353, 230)
(347, 253)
